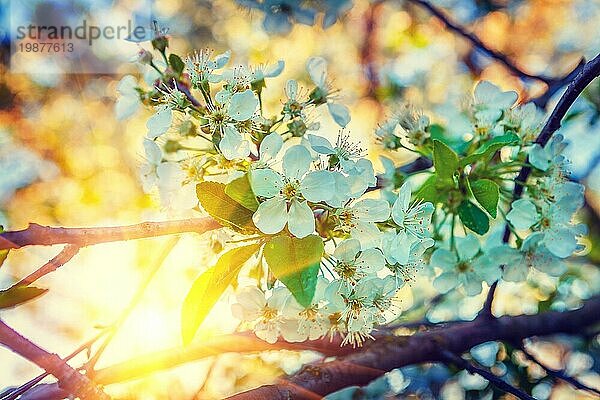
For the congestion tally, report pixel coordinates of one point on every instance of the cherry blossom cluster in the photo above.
(376, 231)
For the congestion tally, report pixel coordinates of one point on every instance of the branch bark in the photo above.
(460, 362)
(65, 255)
(68, 379)
(388, 353)
(589, 72)
(166, 359)
(40, 235)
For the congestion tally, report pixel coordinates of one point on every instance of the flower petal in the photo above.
(317, 69)
(270, 146)
(159, 123)
(271, 216)
(347, 250)
(317, 186)
(243, 105)
(265, 182)
(523, 214)
(301, 220)
(340, 113)
(296, 162)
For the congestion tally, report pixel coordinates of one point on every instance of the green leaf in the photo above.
(209, 287)
(18, 295)
(490, 148)
(240, 190)
(445, 161)
(176, 63)
(295, 262)
(473, 218)
(223, 208)
(428, 190)
(487, 194)
(3, 253)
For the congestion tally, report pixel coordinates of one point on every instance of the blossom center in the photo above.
(289, 190)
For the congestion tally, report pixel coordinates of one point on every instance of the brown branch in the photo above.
(68, 379)
(40, 235)
(66, 254)
(166, 359)
(589, 72)
(389, 353)
(460, 362)
(557, 374)
(478, 43)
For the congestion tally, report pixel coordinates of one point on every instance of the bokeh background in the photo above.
(65, 160)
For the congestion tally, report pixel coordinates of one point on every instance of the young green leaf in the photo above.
(176, 63)
(428, 190)
(490, 148)
(240, 190)
(473, 218)
(14, 296)
(223, 208)
(487, 194)
(295, 262)
(209, 287)
(445, 161)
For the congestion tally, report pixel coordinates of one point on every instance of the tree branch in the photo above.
(68, 379)
(40, 235)
(478, 43)
(557, 374)
(389, 353)
(65, 255)
(589, 72)
(166, 359)
(493, 379)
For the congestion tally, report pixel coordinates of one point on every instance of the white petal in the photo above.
(371, 260)
(467, 247)
(126, 106)
(222, 59)
(153, 152)
(271, 216)
(317, 69)
(265, 182)
(233, 145)
(291, 89)
(301, 220)
(523, 214)
(243, 105)
(372, 210)
(445, 282)
(320, 144)
(159, 123)
(270, 146)
(443, 259)
(317, 186)
(274, 70)
(367, 234)
(296, 162)
(340, 113)
(347, 250)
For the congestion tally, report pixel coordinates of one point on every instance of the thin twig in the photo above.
(68, 378)
(493, 379)
(65, 255)
(16, 392)
(557, 374)
(478, 43)
(40, 235)
(137, 297)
